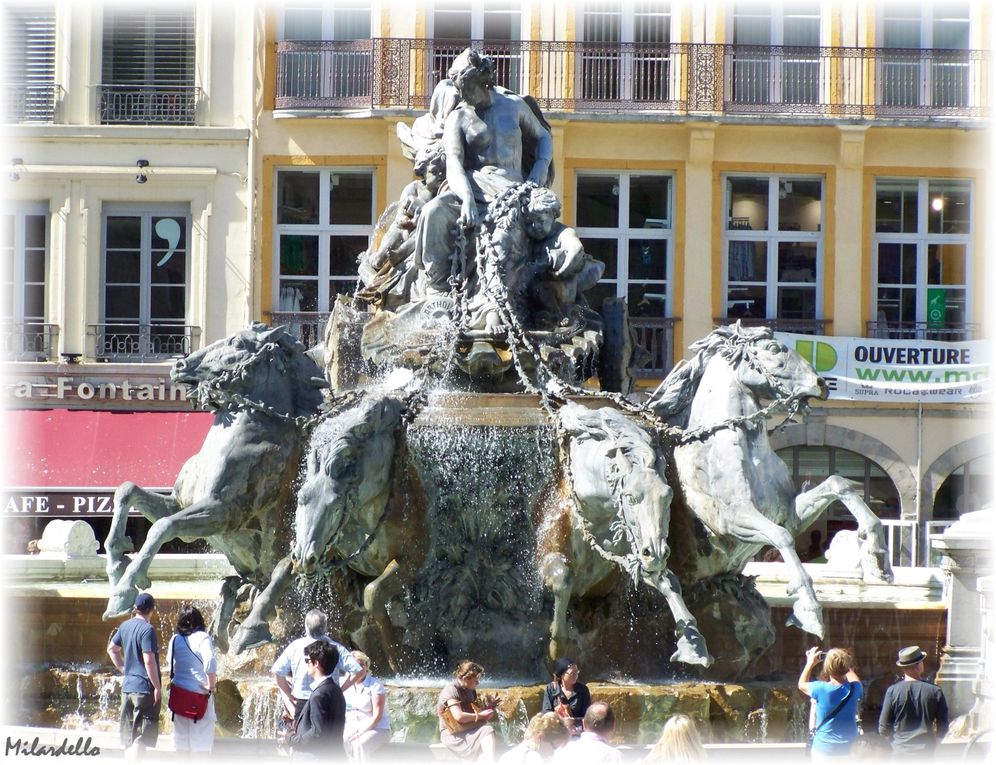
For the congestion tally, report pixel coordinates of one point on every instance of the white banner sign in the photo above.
(869, 369)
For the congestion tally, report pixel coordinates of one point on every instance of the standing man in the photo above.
(291, 664)
(592, 747)
(134, 651)
(318, 728)
(914, 712)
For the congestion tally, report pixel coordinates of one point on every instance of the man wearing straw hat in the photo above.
(914, 712)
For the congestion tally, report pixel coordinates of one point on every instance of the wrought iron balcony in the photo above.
(795, 326)
(28, 341)
(675, 78)
(28, 102)
(306, 326)
(142, 342)
(656, 336)
(951, 332)
(147, 104)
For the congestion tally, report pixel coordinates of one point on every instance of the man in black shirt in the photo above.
(914, 712)
(319, 725)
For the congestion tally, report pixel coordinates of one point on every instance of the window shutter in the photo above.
(29, 43)
(149, 47)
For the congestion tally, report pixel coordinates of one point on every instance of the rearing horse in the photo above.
(731, 478)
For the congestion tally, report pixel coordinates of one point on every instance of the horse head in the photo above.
(348, 471)
(257, 364)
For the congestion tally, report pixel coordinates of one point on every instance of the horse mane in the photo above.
(348, 430)
(306, 376)
(603, 424)
(671, 400)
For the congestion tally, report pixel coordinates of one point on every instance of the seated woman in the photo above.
(368, 726)
(545, 734)
(566, 696)
(463, 727)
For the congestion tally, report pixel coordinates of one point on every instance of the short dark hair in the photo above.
(599, 718)
(189, 620)
(322, 653)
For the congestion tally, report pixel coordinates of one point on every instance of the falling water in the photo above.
(261, 710)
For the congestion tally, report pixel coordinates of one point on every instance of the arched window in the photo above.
(968, 488)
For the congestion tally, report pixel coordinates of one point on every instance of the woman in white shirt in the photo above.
(194, 667)
(368, 726)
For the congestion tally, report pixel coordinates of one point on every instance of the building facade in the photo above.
(814, 166)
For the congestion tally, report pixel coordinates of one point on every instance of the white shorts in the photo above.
(190, 736)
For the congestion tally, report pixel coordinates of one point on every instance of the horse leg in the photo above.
(255, 630)
(150, 505)
(750, 526)
(875, 564)
(218, 629)
(202, 519)
(375, 597)
(691, 647)
(559, 578)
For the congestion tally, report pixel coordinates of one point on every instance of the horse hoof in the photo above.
(120, 603)
(250, 636)
(691, 648)
(808, 621)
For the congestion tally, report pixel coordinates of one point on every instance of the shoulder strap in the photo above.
(172, 656)
(837, 708)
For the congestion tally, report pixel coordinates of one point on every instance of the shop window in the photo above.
(145, 272)
(23, 260)
(922, 259)
(324, 219)
(773, 241)
(626, 52)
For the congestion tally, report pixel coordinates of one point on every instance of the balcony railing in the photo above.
(795, 326)
(678, 78)
(922, 330)
(28, 341)
(140, 104)
(306, 326)
(656, 336)
(142, 342)
(25, 102)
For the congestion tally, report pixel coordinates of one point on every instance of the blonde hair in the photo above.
(838, 661)
(467, 669)
(679, 742)
(547, 728)
(362, 658)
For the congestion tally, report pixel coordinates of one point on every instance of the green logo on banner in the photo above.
(822, 356)
(937, 308)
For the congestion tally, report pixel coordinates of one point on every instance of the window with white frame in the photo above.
(334, 56)
(29, 48)
(922, 258)
(776, 58)
(23, 260)
(773, 241)
(145, 272)
(626, 51)
(324, 218)
(929, 66)
(148, 65)
(625, 221)
(497, 24)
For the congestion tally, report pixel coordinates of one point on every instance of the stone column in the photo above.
(966, 547)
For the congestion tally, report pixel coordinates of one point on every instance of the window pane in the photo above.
(297, 197)
(797, 261)
(946, 264)
(598, 201)
(340, 287)
(303, 24)
(343, 252)
(172, 271)
(748, 261)
(124, 232)
(796, 303)
(168, 303)
(351, 199)
(299, 255)
(298, 295)
(597, 294)
(648, 201)
(814, 463)
(123, 267)
(351, 23)
(747, 302)
(748, 204)
(121, 303)
(947, 212)
(34, 302)
(647, 259)
(604, 250)
(34, 266)
(799, 205)
(896, 263)
(850, 465)
(451, 24)
(502, 25)
(895, 207)
(34, 231)
(647, 299)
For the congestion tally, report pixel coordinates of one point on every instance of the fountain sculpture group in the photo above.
(624, 526)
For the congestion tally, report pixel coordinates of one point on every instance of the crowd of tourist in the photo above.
(334, 708)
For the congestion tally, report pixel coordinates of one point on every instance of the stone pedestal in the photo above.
(966, 547)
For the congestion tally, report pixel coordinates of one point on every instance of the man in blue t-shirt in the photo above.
(134, 650)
